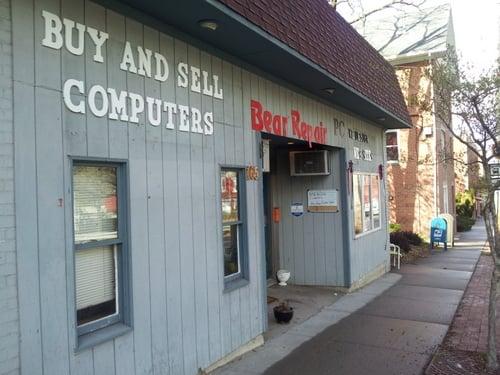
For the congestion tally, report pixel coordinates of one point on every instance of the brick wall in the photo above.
(413, 197)
(9, 321)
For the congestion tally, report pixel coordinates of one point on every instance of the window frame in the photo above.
(240, 278)
(106, 328)
(373, 228)
(395, 161)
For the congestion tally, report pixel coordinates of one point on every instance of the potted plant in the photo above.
(283, 312)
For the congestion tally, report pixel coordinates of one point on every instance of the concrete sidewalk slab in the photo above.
(344, 358)
(442, 282)
(424, 293)
(389, 333)
(411, 309)
(427, 270)
(454, 266)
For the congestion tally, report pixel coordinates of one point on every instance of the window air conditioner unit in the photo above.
(309, 163)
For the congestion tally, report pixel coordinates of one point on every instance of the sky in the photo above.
(477, 29)
(476, 25)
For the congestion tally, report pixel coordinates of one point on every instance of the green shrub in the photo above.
(394, 227)
(464, 223)
(398, 238)
(413, 238)
(465, 210)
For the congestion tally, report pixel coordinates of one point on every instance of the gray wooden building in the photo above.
(160, 160)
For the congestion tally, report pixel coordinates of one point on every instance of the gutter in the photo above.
(417, 57)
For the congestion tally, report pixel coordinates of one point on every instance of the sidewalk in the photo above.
(392, 326)
(462, 351)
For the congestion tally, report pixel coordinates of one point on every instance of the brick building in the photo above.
(420, 171)
(467, 174)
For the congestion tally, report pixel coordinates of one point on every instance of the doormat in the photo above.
(271, 299)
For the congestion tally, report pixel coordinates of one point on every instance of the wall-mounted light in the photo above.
(381, 119)
(329, 90)
(211, 25)
(291, 143)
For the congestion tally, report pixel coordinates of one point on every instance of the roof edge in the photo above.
(255, 28)
(417, 57)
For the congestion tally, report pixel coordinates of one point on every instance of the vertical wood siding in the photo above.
(310, 246)
(182, 318)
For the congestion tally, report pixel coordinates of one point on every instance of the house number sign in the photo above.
(252, 172)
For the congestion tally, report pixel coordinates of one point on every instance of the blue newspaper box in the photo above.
(439, 232)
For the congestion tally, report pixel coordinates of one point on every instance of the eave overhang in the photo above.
(241, 38)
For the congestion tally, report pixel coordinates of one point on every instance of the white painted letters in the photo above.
(128, 63)
(99, 38)
(170, 108)
(196, 121)
(195, 79)
(128, 106)
(183, 118)
(144, 62)
(53, 31)
(69, 26)
(161, 67)
(154, 111)
(208, 89)
(182, 75)
(137, 106)
(77, 108)
(217, 92)
(118, 105)
(54, 35)
(94, 90)
(208, 119)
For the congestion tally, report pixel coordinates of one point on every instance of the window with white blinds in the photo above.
(98, 246)
(95, 274)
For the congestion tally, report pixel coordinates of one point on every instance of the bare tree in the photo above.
(390, 20)
(469, 107)
(357, 10)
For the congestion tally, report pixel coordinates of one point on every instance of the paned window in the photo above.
(233, 224)
(391, 145)
(366, 204)
(99, 243)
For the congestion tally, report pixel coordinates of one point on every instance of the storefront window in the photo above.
(366, 203)
(375, 195)
(98, 244)
(232, 223)
(358, 210)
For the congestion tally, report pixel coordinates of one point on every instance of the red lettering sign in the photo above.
(266, 121)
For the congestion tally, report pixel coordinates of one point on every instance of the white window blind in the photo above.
(95, 276)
